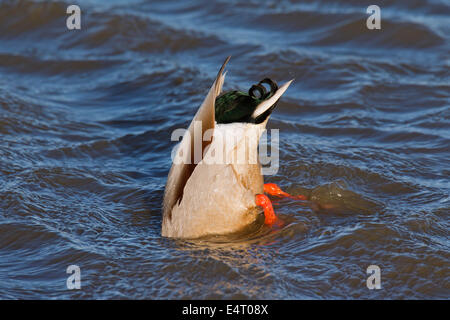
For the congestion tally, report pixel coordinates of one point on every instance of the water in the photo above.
(85, 124)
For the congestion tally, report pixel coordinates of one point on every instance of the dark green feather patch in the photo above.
(237, 106)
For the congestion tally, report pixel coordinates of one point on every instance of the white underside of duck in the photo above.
(219, 198)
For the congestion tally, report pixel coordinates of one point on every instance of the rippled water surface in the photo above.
(85, 124)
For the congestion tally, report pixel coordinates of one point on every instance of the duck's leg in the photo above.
(264, 202)
(274, 190)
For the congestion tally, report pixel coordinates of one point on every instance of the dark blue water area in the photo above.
(86, 118)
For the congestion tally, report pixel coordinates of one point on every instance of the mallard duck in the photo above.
(210, 198)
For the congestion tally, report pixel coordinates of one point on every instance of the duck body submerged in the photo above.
(217, 194)
(218, 198)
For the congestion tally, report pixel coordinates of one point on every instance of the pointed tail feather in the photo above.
(265, 105)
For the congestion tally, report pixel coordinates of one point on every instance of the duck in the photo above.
(211, 197)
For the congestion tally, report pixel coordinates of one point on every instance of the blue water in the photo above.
(85, 123)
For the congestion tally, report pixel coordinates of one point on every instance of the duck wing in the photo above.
(181, 170)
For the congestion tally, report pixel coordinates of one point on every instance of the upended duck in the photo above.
(204, 197)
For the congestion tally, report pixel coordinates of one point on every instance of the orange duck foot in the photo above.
(264, 202)
(274, 190)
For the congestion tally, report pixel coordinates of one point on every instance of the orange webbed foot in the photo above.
(274, 190)
(264, 202)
